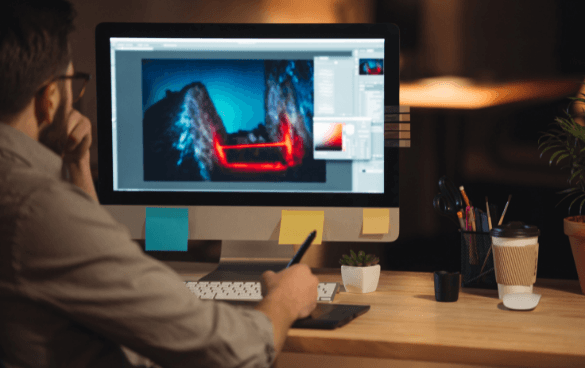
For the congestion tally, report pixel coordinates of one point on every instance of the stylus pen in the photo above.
(297, 257)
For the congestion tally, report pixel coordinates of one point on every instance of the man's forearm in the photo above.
(80, 175)
(281, 315)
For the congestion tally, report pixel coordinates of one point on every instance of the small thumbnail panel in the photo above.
(371, 66)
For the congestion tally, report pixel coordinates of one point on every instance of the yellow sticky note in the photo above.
(295, 226)
(376, 221)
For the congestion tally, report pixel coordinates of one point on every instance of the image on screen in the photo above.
(229, 120)
(371, 66)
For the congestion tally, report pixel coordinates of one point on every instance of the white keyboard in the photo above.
(248, 290)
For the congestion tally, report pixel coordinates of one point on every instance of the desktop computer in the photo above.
(235, 123)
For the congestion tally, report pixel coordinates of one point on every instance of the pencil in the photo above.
(472, 242)
(464, 195)
(487, 206)
(505, 209)
(461, 222)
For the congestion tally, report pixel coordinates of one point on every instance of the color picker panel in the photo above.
(328, 137)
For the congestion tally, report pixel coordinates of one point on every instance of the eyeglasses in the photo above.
(79, 82)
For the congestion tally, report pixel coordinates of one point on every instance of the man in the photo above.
(75, 291)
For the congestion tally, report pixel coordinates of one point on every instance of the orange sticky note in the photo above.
(376, 221)
(295, 226)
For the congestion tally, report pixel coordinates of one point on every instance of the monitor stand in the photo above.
(246, 260)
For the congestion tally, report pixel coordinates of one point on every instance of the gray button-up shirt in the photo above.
(74, 287)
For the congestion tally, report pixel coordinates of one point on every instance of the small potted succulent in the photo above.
(360, 272)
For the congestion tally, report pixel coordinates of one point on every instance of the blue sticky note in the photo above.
(167, 229)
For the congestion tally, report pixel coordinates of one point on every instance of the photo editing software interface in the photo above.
(248, 115)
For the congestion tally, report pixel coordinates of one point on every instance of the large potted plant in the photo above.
(360, 272)
(566, 145)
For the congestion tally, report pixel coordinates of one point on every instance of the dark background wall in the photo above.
(491, 151)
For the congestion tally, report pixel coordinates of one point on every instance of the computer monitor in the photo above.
(237, 122)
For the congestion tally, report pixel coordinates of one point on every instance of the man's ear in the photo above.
(46, 104)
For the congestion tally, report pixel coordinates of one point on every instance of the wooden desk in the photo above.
(406, 323)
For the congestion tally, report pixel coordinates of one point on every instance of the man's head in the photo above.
(34, 50)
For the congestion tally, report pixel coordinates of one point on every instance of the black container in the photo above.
(447, 286)
(477, 261)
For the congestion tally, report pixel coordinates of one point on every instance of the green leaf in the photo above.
(577, 98)
(353, 255)
(548, 147)
(561, 157)
(576, 174)
(569, 190)
(565, 197)
(552, 158)
(575, 200)
(581, 206)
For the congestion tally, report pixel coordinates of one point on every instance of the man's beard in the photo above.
(54, 136)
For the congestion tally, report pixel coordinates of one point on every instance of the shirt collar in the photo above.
(23, 148)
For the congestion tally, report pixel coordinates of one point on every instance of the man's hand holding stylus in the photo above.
(297, 285)
(288, 295)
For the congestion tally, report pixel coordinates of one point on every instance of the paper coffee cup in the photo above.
(515, 251)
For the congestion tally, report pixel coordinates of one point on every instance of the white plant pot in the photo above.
(360, 279)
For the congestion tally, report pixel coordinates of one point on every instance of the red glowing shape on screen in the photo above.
(292, 149)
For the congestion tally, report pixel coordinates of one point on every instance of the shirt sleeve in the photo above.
(77, 258)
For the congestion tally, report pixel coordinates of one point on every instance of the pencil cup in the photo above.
(477, 261)
(447, 286)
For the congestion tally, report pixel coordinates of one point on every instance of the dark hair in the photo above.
(34, 47)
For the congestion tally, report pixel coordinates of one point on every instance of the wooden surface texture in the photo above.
(406, 323)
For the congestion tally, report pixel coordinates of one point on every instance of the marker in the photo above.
(468, 203)
(297, 257)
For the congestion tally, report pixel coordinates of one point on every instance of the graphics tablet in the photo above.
(325, 316)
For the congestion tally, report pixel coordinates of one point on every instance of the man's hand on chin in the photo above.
(76, 152)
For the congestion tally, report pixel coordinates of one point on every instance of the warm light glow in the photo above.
(299, 11)
(461, 93)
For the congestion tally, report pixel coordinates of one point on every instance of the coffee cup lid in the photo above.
(515, 229)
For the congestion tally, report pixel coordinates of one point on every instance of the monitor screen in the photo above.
(250, 115)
